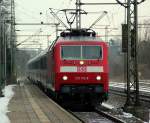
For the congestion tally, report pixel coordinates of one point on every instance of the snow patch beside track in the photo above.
(4, 101)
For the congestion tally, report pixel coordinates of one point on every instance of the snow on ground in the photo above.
(108, 106)
(4, 101)
(127, 115)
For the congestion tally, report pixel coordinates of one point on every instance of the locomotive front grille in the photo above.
(81, 88)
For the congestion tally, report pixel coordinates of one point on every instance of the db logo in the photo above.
(81, 69)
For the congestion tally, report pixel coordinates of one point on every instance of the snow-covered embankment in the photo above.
(4, 101)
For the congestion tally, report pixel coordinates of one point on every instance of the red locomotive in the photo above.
(74, 66)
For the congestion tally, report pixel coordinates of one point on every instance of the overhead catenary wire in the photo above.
(21, 3)
(60, 21)
(27, 11)
(37, 32)
(98, 19)
(30, 14)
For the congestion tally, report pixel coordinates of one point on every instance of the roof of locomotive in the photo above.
(68, 37)
(75, 35)
(65, 40)
(79, 38)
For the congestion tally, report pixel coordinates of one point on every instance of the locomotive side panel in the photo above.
(50, 70)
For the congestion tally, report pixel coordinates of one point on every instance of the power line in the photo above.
(99, 3)
(27, 14)
(32, 24)
(26, 9)
(33, 35)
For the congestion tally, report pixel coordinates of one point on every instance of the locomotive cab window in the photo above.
(81, 52)
(91, 52)
(70, 52)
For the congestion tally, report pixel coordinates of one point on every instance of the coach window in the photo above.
(37, 65)
(71, 52)
(43, 63)
(91, 52)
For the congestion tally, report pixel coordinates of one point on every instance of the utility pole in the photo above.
(132, 68)
(5, 51)
(132, 53)
(78, 14)
(1, 60)
(125, 46)
(12, 43)
(2, 52)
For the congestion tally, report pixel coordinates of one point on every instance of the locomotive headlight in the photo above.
(81, 62)
(98, 78)
(65, 77)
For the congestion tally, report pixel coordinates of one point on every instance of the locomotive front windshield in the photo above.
(71, 52)
(81, 52)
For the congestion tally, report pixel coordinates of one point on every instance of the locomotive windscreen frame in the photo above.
(78, 52)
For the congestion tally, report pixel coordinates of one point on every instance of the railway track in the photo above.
(99, 115)
(117, 91)
(120, 90)
(103, 114)
(94, 116)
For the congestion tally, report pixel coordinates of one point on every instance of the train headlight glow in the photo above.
(65, 77)
(98, 78)
(81, 62)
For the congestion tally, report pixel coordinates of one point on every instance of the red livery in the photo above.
(74, 66)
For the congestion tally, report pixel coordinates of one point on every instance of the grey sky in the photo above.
(28, 11)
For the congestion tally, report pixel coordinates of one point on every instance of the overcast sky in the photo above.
(28, 11)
